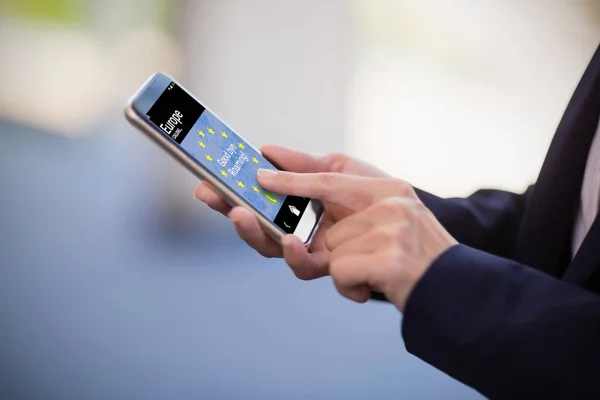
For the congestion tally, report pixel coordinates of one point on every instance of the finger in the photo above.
(296, 161)
(247, 227)
(351, 277)
(306, 266)
(206, 194)
(347, 190)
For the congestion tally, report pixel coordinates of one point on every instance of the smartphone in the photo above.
(209, 148)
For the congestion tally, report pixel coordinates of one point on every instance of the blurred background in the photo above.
(116, 284)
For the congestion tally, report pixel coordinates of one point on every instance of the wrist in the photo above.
(400, 295)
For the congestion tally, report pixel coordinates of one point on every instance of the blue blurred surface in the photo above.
(99, 301)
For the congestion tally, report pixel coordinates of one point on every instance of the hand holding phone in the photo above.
(305, 265)
(180, 125)
(210, 149)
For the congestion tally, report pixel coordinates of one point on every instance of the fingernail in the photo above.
(266, 173)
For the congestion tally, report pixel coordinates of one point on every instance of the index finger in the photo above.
(331, 187)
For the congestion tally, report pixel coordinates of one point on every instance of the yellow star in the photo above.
(223, 172)
(241, 146)
(255, 189)
(202, 145)
(209, 158)
(240, 184)
(255, 159)
(211, 131)
(201, 133)
(224, 135)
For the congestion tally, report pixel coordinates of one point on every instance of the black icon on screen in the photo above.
(290, 213)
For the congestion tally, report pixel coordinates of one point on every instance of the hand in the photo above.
(387, 240)
(304, 264)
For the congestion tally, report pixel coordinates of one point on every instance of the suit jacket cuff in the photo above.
(439, 309)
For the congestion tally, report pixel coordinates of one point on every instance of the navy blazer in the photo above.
(507, 312)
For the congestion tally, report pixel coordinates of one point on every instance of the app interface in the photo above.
(226, 155)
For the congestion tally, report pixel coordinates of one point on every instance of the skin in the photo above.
(376, 234)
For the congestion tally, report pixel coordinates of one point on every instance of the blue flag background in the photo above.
(232, 160)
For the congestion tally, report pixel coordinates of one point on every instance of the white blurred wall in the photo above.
(452, 96)
(458, 95)
(275, 70)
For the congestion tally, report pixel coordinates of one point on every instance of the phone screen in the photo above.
(210, 142)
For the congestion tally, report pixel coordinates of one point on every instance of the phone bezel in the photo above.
(171, 147)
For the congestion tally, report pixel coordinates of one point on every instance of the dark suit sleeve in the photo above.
(487, 220)
(505, 329)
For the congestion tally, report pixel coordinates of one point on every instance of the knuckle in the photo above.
(334, 258)
(384, 236)
(402, 207)
(323, 183)
(388, 255)
(326, 179)
(395, 257)
(418, 207)
(301, 271)
(393, 206)
(389, 235)
(336, 271)
(329, 239)
(404, 186)
(303, 274)
(264, 253)
(356, 199)
(286, 179)
(337, 161)
(401, 187)
(216, 206)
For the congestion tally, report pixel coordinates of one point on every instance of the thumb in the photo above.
(341, 189)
